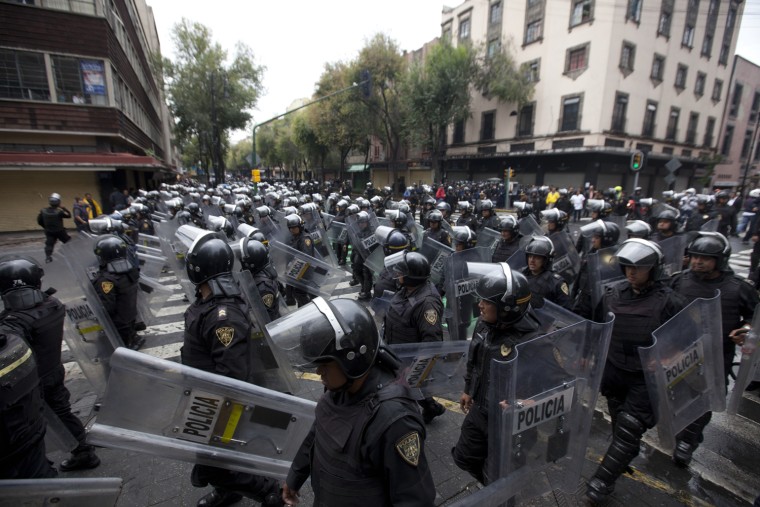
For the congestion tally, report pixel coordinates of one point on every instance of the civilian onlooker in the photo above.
(577, 201)
(118, 199)
(81, 214)
(552, 197)
(94, 206)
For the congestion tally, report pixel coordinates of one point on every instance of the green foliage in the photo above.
(498, 76)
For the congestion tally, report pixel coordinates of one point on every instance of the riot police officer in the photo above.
(382, 464)
(217, 336)
(254, 257)
(638, 229)
(428, 204)
(22, 427)
(51, 219)
(394, 243)
(467, 217)
(726, 214)
(196, 215)
(641, 303)
(506, 319)
(602, 235)
(556, 220)
(510, 239)
(667, 225)
(435, 231)
(709, 271)
(415, 312)
(40, 316)
(300, 241)
(544, 283)
(116, 286)
(445, 209)
(488, 215)
(341, 249)
(702, 215)
(362, 274)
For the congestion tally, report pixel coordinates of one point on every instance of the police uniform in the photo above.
(303, 243)
(489, 342)
(266, 283)
(440, 235)
(366, 449)
(505, 249)
(216, 340)
(118, 295)
(51, 219)
(359, 270)
(468, 219)
(658, 237)
(385, 282)
(548, 285)
(22, 427)
(414, 317)
(727, 216)
(491, 222)
(698, 219)
(341, 250)
(146, 226)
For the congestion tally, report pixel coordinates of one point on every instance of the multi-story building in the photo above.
(81, 109)
(610, 77)
(739, 140)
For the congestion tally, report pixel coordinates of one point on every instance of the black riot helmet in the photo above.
(555, 216)
(508, 290)
(208, 257)
(609, 232)
(524, 209)
(509, 223)
(487, 205)
(376, 202)
(712, 244)
(254, 256)
(638, 229)
(435, 216)
(20, 282)
(543, 246)
(668, 214)
(194, 209)
(111, 252)
(428, 202)
(463, 235)
(600, 207)
(444, 208)
(396, 242)
(54, 200)
(642, 253)
(294, 221)
(413, 266)
(259, 236)
(352, 209)
(400, 221)
(346, 334)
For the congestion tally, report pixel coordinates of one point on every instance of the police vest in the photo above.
(266, 283)
(52, 219)
(439, 235)
(18, 370)
(505, 250)
(691, 287)
(543, 286)
(635, 320)
(385, 281)
(339, 473)
(491, 222)
(399, 325)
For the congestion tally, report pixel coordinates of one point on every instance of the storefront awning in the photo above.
(357, 168)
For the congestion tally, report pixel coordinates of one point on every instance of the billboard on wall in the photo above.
(93, 77)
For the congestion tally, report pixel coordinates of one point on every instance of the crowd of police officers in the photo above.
(534, 262)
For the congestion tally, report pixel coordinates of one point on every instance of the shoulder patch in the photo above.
(268, 300)
(565, 289)
(221, 314)
(408, 447)
(431, 316)
(106, 287)
(225, 335)
(505, 351)
(307, 242)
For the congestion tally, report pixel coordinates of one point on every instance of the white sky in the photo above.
(294, 39)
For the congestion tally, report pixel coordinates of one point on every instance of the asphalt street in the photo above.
(724, 471)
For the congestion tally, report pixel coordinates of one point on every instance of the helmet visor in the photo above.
(637, 252)
(396, 264)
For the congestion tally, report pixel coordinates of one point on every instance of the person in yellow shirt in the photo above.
(95, 209)
(552, 197)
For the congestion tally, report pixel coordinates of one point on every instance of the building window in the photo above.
(79, 6)
(79, 81)
(494, 14)
(746, 144)
(699, 84)
(755, 107)
(649, 119)
(709, 128)
(533, 31)
(464, 29)
(493, 47)
(633, 12)
(658, 68)
(727, 139)
(691, 129)
(712, 21)
(458, 137)
(571, 113)
(582, 11)
(687, 40)
(717, 90)
(666, 16)
(576, 60)
(533, 70)
(23, 75)
(487, 123)
(736, 100)
(446, 32)
(728, 34)
(627, 56)
(688, 37)
(681, 74)
(707, 45)
(619, 112)
(525, 120)
(672, 131)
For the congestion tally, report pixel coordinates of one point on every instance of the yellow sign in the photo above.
(255, 175)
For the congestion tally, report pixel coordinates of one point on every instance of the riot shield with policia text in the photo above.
(436, 368)
(684, 368)
(303, 271)
(436, 253)
(673, 251)
(567, 260)
(315, 228)
(541, 402)
(379, 307)
(84, 492)
(461, 302)
(267, 223)
(376, 260)
(488, 238)
(162, 408)
(748, 367)
(361, 231)
(175, 251)
(603, 271)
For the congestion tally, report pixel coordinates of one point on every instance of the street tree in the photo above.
(209, 93)
(499, 77)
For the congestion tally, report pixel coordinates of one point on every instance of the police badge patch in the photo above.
(408, 447)
(431, 316)
(505, 351)
(106, 287)
(564, 289)
(307, 242)
(225, 335)
(268, 300)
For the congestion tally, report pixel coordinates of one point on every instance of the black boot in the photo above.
(624, 447)
(219, 498)
(82, 458)
(689, 439)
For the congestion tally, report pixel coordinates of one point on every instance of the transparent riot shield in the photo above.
(151, 266)
(146, 240)
(748, 367)
(246, 231)
(673, 251)
(362, 234)
(269, 367)
(553, 317)
(436, 368)
(567, 260)
(488, 238)
(517, 261)
(376, 260)
(303, 271)
(337, 233)
(461, 302)
(684, 368)
(89, 492)
(316, 230)
(379, 307)
(151, 299)
(541, 403)
(710, 225)
(436, 253)
(496, 493)
(603, 271)
(327, 219)
(529, 226)
(268, 224)
(87, 329)
(217, 223)
(175, 252)
(620, 221)
(162, 408)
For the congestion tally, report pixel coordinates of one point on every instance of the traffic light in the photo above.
(255, 175)
(366, 82)
(506, 173)
(637, 160)
(511, 173)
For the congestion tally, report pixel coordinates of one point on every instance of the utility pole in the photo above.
(751, 150)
